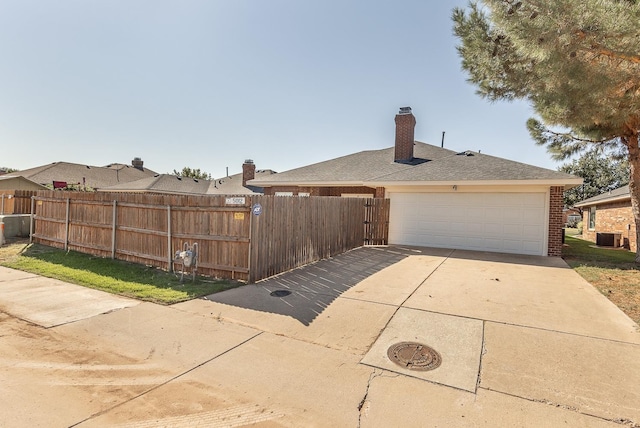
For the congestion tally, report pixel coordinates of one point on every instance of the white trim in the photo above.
(604, 201)
(357, 195)
(567, 183)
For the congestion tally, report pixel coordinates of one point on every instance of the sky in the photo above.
(207, 83)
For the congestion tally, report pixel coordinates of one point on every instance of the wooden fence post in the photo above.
(169, 255)
(113, 231)
(31, 219)
(66, 226)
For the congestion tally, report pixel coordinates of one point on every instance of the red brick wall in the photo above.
(555, 221)
(324, 191)
(405, 128)
(613, 218)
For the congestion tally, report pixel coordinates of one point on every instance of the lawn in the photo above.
(612, 271)
(113, 276)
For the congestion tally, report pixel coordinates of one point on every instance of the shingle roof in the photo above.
(430, 164)
(92, 176)
(617, 194)
(163, 183)
(167, 183)
(232, 185)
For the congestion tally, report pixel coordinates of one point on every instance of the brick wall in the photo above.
(615, 217)
(326, 191)
(555, 221)
(405, 127)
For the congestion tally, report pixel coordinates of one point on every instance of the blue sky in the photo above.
(207, 84)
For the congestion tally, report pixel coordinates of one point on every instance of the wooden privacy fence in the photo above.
(239, 237)
(16, 201)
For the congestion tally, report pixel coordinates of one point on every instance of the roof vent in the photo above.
(465, 153)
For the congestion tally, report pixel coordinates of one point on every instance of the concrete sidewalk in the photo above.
(524, 341)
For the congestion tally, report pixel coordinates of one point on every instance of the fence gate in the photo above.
(376, 221)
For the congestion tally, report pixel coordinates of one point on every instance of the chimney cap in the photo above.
(405, 110)
(248, 161)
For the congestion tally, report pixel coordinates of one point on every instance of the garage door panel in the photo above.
(502, 222)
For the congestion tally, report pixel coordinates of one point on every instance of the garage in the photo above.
(497, 222)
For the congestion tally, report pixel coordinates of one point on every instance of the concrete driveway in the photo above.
(523, 341)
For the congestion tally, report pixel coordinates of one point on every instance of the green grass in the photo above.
(113, 276)
(570, 231)
(583, 252)
(613, 272)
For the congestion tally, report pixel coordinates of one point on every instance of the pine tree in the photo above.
(576, 62)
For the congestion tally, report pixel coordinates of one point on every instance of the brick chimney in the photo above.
(405, 125)
(248, 171)
(137, 163)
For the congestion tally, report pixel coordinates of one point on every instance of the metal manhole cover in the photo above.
(414, 356)
(280, 293)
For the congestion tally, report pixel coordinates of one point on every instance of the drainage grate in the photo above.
(414, 356)
(280, 293)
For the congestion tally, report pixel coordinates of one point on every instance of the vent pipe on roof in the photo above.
(442, 142)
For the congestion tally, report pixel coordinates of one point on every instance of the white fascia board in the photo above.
(390, 184)
(604, 201)
(307, 183)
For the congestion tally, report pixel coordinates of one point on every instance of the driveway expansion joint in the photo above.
(161, 384)
(619, 421)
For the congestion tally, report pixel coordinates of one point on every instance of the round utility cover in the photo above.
(414, 356)
(280, 293)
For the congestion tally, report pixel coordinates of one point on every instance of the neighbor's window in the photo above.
(592, 218)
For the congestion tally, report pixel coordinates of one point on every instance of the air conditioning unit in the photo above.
(608, 239)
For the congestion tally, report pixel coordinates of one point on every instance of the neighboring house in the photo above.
(16, 182)
(442, 198)
(571, 216)
(609, 213)
(78, 176)
(173, 184)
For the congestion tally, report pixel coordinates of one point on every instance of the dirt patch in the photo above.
(620, 286)
(12, 249)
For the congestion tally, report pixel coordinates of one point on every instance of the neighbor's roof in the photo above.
(619, 194)
(94, 176)
(431, 165)
(167, 183)
(232, 185)
(162, 183)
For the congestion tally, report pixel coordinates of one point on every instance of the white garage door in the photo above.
(499, 222)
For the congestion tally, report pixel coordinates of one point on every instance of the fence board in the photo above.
(232, 241)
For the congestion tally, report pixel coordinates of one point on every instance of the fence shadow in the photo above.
(305, 292)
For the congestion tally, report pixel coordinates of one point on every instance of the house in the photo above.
(609, 217)
(571, 216)
(443, 198)
(173, 184)
(85, 177)
(16, 182)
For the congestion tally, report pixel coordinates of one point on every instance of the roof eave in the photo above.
(566, 183)
(603, 201)
(258, 183)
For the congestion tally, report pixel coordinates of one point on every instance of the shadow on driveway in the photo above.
(303, 293)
